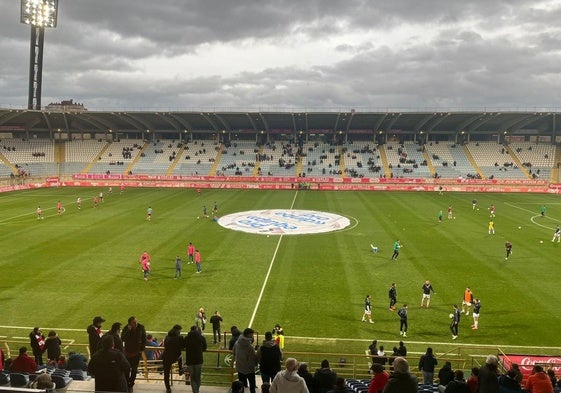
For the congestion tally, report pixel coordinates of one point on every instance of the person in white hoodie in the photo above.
(288, 381)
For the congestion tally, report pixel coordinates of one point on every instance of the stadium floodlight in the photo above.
(39, 14)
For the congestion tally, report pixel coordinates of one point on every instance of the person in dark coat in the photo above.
(195, 345)
(52, 345)
(37, 342)
(445, 374)
(324, 378)
(426, 365)
(109, 368)
(235, 332)
(174, 343)
(305, 373)
(401, 380)
(94, 334)
(134, 341)
(488, 375)
(269, 356)
(116, 333)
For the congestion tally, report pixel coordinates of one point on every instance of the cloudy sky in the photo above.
(291, 54)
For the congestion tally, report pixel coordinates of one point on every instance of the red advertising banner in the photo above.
(526, 362)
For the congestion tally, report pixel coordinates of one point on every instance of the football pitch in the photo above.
(61, 271)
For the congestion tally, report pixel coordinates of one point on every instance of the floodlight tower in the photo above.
(38, 14)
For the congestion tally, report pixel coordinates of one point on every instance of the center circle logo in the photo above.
(284, 222)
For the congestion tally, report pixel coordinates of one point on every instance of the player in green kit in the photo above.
(396, 247)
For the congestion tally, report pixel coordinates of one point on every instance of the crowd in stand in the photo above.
(115, 357)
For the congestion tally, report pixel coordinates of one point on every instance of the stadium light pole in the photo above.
(39, 14)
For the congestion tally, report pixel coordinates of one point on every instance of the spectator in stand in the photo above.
(551, 375)
(173, 345)
(339, 386)
(109, 368)
(426, 366)
(195, 345)
(472, 382)
(24, 363)
(151, 354)
(52, 345)
(37, 342)
(516, 368)
(324, 378)
(269, 356)
(373, 348)
(402, 349)
(458, 384)
(379, 380)
(539, 382)
(43, 381)
(134, 340)
(288, 380)
(94, 334)
(305, 373)
(508, 383)
(235, 332)
(246, 359)
(76, 361)
(445, 375)
(488, 375)
(401, 380)
(115, 332)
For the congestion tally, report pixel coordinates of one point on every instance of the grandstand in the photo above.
(452, 145)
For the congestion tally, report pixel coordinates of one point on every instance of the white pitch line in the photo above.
(266, 280)
(533, 218)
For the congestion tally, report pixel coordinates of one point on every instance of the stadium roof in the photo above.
(351, 122)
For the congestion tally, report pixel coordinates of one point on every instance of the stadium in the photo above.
(352, 236)
(313, 284)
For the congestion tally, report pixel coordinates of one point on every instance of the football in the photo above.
(451, 316)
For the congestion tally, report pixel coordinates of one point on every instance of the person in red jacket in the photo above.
(26, 364)
(539, 382)
(379, 378)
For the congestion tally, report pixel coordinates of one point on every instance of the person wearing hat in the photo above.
(94, 334)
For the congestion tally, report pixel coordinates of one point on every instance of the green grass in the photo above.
(61, 271)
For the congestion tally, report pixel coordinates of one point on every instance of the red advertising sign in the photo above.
(526, 362)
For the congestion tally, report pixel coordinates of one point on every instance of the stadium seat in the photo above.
(4, 378)
(79, 375)
(18, 379)
(60, 381)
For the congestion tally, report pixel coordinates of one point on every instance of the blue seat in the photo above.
(79, 375)
(18, 379)
(60, 381)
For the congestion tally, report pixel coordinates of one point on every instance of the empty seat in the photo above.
(79, 375)
(60, 381)
(4, 378)
(18, 379)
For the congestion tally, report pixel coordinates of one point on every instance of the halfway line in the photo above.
(269, 271)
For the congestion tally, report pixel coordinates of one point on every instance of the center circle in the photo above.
(284, 222)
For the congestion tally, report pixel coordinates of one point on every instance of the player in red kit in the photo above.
(59, 208)
(190, 253)
(145, 264)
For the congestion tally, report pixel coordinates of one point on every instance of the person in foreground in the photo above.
(288, 380)
(109, 367)
(401, 380)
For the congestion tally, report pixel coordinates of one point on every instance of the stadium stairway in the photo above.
(342, 162)
(258, 162)
(429, 162)
(384, 158)
(136, 159)
(60, 152)
(176, 160)
(517, 161)
(554, 177)
(88, 167)
(472, 162)
(9, 164)
(217, 160)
